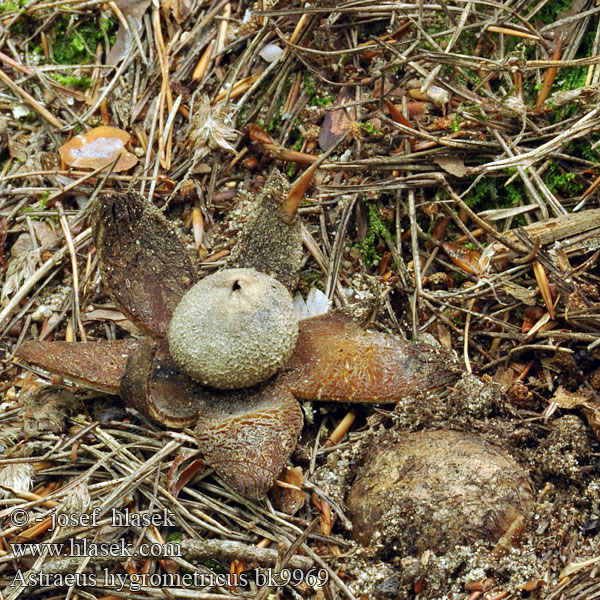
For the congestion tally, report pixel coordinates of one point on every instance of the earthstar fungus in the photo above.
(246, 434)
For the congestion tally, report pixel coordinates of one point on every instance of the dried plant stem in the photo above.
(44, 112)
(69, 239)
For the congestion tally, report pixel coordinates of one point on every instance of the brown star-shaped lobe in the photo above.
(98, 365)
(144, 264)
(336, 359)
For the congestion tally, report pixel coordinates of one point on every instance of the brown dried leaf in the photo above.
(289, 500)
(336, 122)
(519, 292)
(296, 193)
(574, 567)
(572, 400)
(98, 147)
(143, 261)
(335, 359)
(181, 9)
(533, 584)
(452, 164)
(397, 115)
(45, 236)
(186, 475)
(463, 257)
(258, 134)
(105, 314)
(44, 410)
(133, 11)
(544, 287)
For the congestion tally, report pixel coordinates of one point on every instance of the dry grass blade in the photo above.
(544, 287)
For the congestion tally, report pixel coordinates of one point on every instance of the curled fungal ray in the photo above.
(247, 435)
(154, 385)
(98, 365)
(144, 264)
(268, 243)
(335, 359)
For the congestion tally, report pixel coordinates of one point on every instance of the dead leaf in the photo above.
(104, 314)
(46, 237)
(336, 122)
(98, 147)
(397, 115)
(504, 378)
(544, 287)
(181, 9)
(465, 258)
(519, 292)
(533, 584)
(133, 11)
(452, 164)
(571, 400)
(574, 567)
(286, 499)
(184, 477)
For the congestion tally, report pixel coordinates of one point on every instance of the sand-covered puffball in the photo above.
(433, 490)
(233, 329)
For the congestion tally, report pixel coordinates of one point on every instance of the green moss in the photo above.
(370, 129)
(455, 125)
(493, 193)
(74, 41)
(30, 117)
(573, 78)
(377, 230)
(550, 12)
(313, 278)
(513, 194)
(560, 181)
(297, 140)
(276, 120)
(291, 170)
(314, 96)
(583, 147)
(23, 23)
(484, 193)
(11, 6)
(79, 83)
(39, 206)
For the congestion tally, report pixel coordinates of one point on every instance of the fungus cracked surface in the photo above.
(233, 329)
(246, 434)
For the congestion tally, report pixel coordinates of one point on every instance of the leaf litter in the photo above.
(465, 127)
